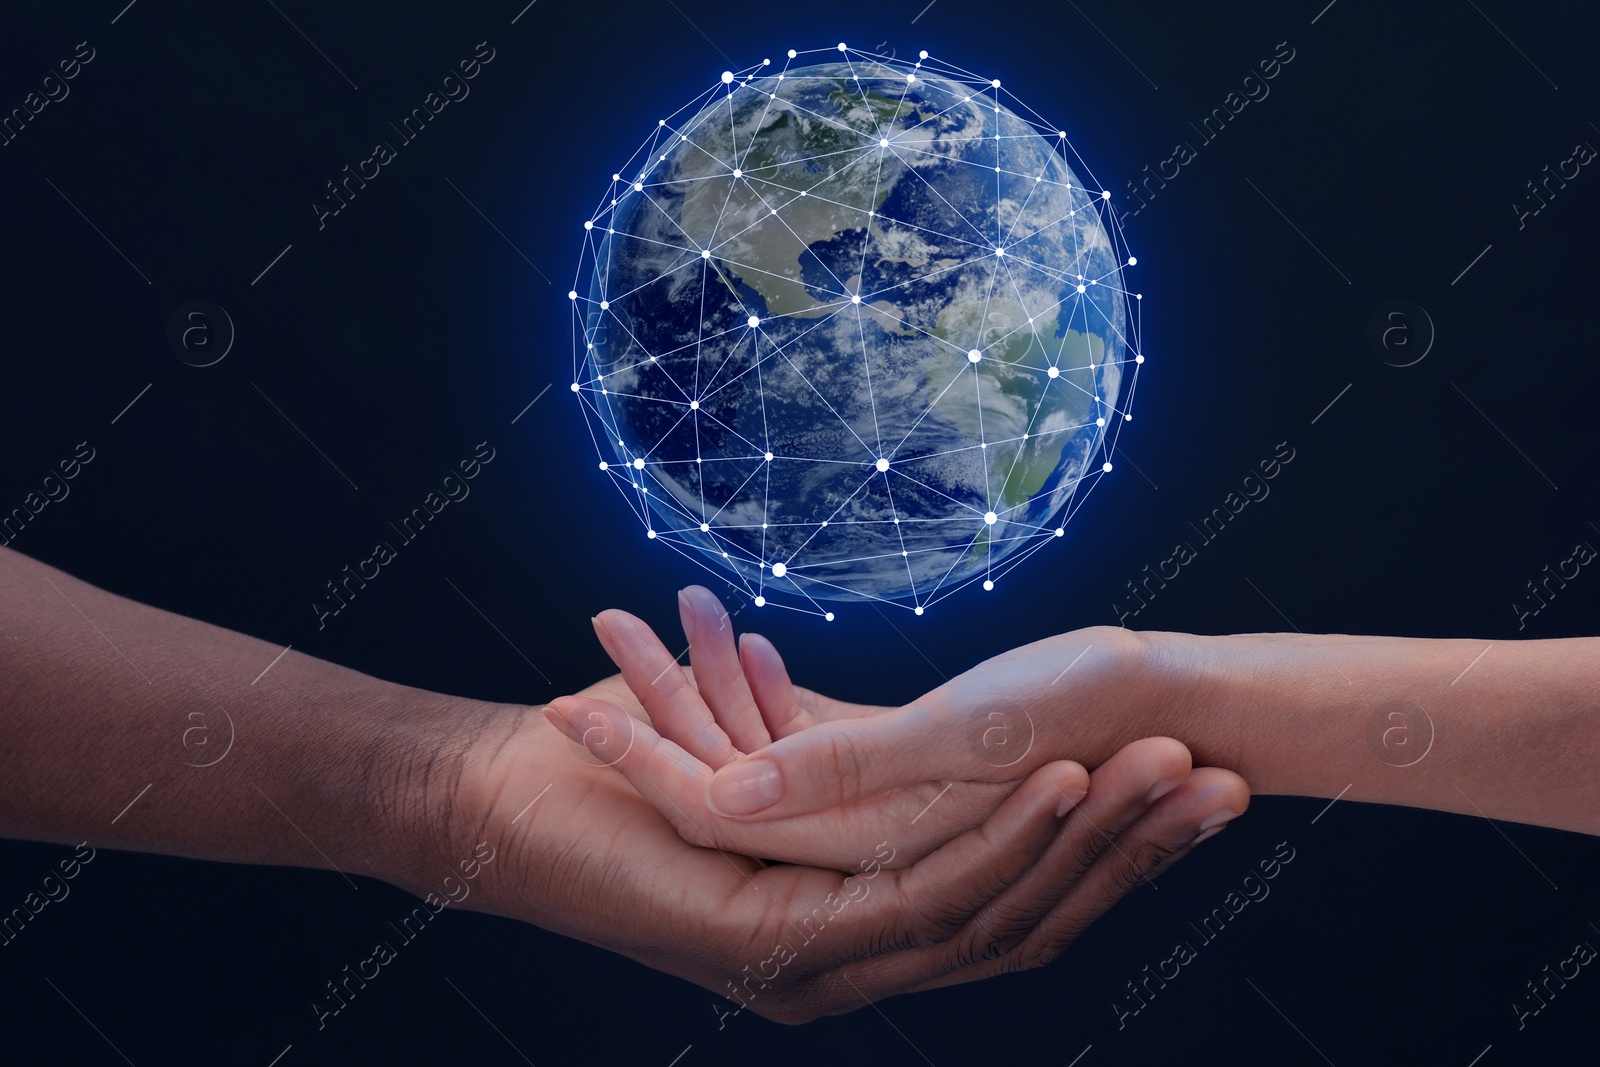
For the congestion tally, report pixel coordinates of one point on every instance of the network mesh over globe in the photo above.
(853, 330)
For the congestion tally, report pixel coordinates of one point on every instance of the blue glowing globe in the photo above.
(853, 330)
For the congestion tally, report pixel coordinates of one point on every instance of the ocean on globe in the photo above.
(853, 330)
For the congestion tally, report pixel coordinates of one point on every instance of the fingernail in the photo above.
(604, 634)
(1069, 800)
(559, 719)
(686, 612)
(1214, 824)
(744, 788)
(1161, 789)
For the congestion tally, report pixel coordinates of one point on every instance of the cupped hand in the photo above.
(741, 699)
(593, 859)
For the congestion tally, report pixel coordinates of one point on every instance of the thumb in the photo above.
(848, 760)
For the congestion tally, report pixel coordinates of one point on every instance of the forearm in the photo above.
(1509, 729)
(131, 727)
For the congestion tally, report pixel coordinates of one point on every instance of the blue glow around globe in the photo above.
(853, 330)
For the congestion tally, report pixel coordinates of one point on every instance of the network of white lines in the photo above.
(853, 328)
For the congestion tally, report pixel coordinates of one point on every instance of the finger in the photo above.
(657, 768)
(718, 673)
(1165, 834)
(929, 902)
(773, 692)
(1119, 792)
(662, 687)
(845, 761)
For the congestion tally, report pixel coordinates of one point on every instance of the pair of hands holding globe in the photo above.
(964, 860)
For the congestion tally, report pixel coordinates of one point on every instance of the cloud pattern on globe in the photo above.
(854, 330)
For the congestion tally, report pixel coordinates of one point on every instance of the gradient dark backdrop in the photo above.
(410, 329)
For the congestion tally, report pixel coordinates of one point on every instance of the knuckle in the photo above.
(1142, 860)
(839, 767)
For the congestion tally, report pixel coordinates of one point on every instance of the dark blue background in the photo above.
(408, 330)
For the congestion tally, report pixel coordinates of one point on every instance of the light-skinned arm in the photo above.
(1509, 730)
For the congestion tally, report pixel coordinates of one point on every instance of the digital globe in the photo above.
(854, 328)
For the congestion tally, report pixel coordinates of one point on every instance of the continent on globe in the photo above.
(853, 330)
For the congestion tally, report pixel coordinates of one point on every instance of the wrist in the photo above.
(423, 795)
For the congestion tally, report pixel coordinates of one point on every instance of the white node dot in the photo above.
(737, 173)
(990, 518)
(1062, 133)
(1105, 194)
(987, 586)
(1138, 296)
(605, 304)
(604, 465)
(1133, 261)
(616, 177)
(1138, 359)
(694, 405)
(574, 387)
(883, 142)
(638, 463)
(727, 76)
(910, 78)
(754, 322)
(974, 356)
(923, 54)
(828, 617)
(638, 187)
(1024, 435)
(1106, 466)
(802, 193)
(766, 62)
(841, 46)
(705, 253)
(897, 523)
(705, 527)
(650, 534)
(761, 601)
(882, 464)
(768, 457)
(791, 53)
(855, 298)
(1054, 372)
(999, 251)
(779, 570)
(1082, 288)
(697, 459)
(572, 294)
(995, 83)
(588, 225)
(919, 609)
(824, 522)
(1127, 418)
(1099, 422)
(1061, 531)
